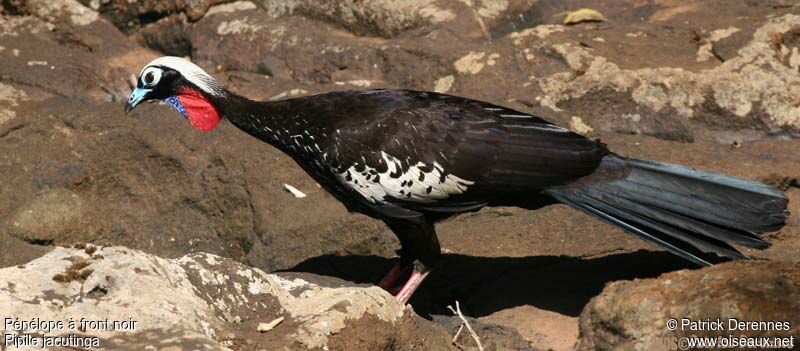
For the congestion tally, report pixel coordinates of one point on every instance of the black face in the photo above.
(155, 83)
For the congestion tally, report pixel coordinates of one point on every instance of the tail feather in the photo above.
(722, 232)
(677, 247)
(690, 213)
(712, 197)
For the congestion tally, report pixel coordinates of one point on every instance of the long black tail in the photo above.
(689, 212)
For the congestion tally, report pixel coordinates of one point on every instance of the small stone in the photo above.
(578, 126)
(444, 84)
(265, 327)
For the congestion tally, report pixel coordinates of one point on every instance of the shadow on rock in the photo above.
(484, 285)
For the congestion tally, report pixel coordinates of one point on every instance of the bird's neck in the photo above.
(271, 122)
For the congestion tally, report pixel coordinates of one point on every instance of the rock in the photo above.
(92, 60)
(542, 328)
(308, 56)
(22, 251)
(9, 98)
(192, 193)
(555, 67)
(54, 214)
(492, 336)
(71, 10)
(168, 35)
(378, 17)
(708, 84)
(633, 315)
(265, 327)
(132, 15)
(198, 300)
(712, 93)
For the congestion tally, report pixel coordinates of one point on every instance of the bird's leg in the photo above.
(390, 280)
(420, 250)
(417, 276)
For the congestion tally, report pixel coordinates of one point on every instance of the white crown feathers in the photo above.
(190, 71)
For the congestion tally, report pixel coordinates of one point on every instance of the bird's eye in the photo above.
(151, 76)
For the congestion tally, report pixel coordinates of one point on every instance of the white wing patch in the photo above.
(414, 185)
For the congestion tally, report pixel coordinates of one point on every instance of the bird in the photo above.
(412, 158)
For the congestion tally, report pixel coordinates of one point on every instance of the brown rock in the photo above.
(657, 71)
(18, 251)
(90, 59)
(387, 18)
(633, 315)
(132, 15)
(135, 188)
(54, 214)
(492, 336)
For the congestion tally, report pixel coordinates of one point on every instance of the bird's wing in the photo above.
(440, 152)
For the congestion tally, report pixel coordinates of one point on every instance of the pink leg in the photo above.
(411, 286)
(390, 280)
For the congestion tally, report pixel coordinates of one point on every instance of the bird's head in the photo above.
(182, 84)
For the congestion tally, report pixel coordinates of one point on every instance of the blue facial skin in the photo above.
(176, 103)
(137, 96)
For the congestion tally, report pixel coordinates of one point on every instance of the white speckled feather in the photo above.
(407, 186)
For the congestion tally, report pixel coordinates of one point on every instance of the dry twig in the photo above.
(457, 311)
(458, 332)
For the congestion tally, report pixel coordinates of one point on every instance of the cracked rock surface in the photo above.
(198, 301)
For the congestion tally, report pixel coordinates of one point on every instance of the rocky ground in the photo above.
(188, 223)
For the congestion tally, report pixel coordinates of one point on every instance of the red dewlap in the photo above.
(199, 110)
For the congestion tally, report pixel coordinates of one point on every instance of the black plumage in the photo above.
(411, 158)
(513, 159)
